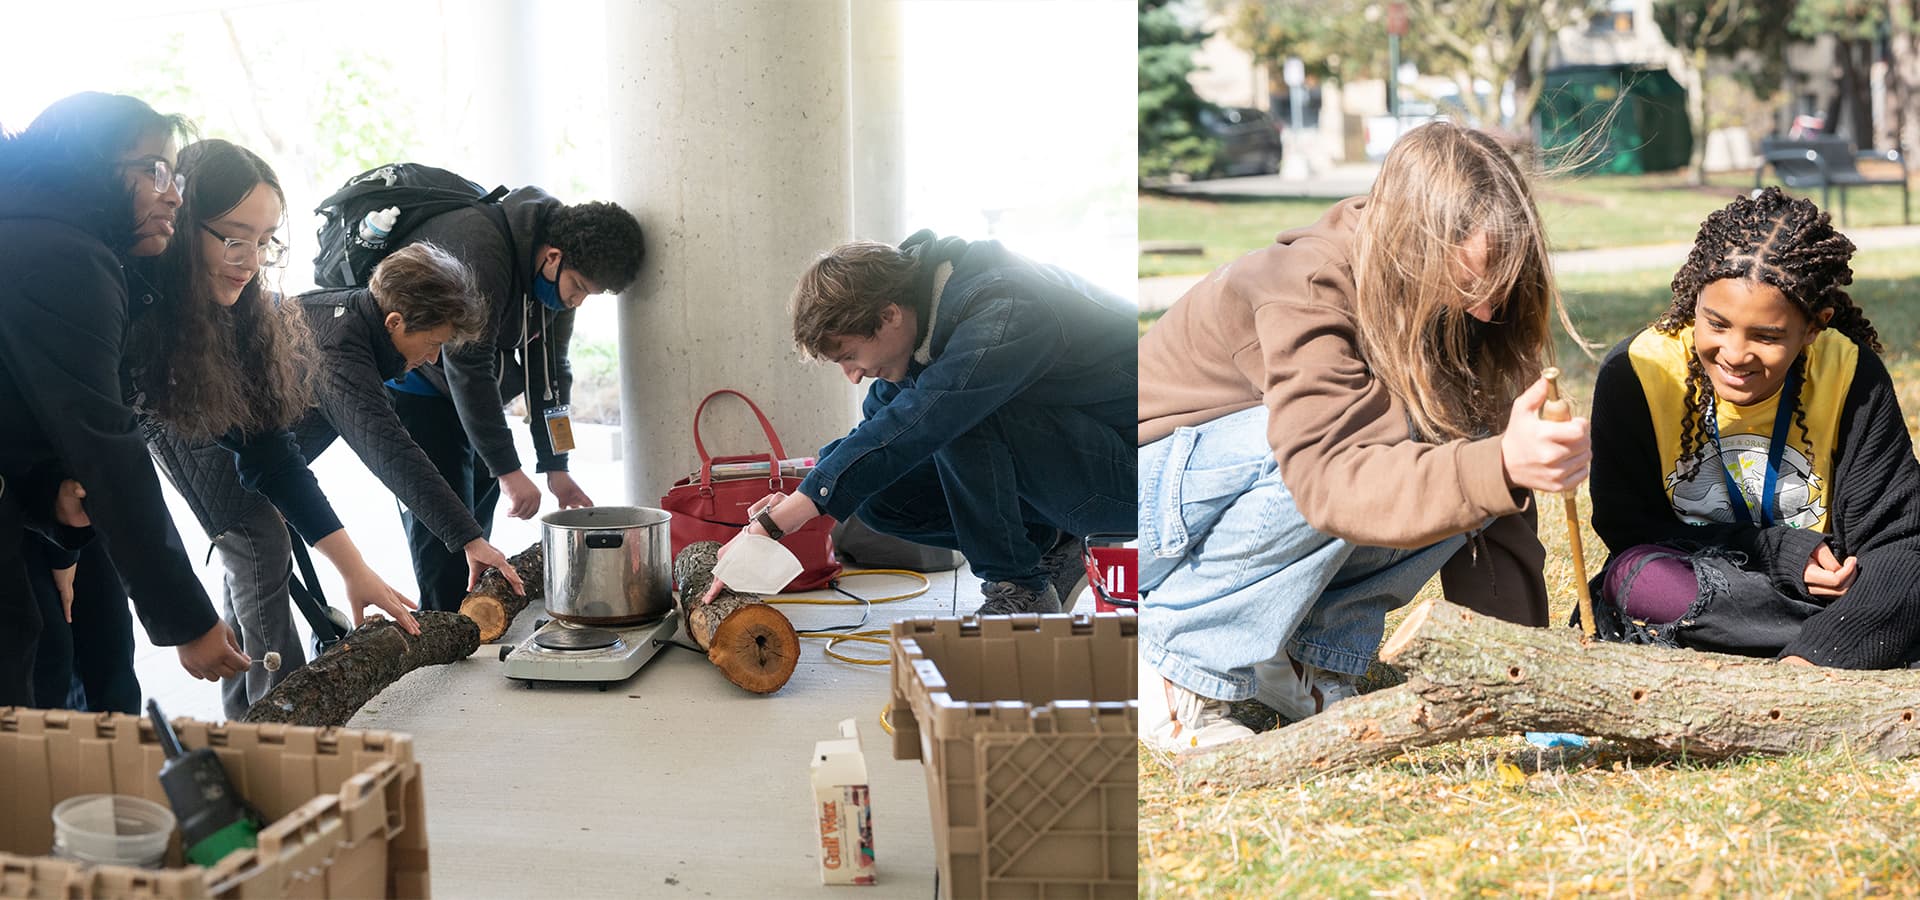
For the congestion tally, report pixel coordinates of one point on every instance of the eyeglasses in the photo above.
(163, 174)
(236, 252)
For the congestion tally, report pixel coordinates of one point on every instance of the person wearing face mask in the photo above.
(550, 260)
(1753, 475)
(219, 369)
(1331, 420)
(87, 186)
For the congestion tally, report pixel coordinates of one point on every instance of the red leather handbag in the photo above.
(708, 510)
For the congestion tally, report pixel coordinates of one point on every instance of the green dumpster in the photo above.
(1615, 119)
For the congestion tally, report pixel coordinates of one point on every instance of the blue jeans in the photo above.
(1233, 574)
(1003, 491)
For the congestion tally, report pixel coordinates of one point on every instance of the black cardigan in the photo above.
(1875, 515)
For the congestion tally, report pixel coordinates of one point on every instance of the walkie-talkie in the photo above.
(214, 821)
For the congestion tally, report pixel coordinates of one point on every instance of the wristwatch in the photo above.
(765, 518)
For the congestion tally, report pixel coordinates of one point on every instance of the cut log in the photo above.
(1470, 676)
(331, 688)
(753, 644)
(493, 604)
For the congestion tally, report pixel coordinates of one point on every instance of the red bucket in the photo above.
(1111, 568)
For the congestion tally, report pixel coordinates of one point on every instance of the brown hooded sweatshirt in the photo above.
(1276, 328)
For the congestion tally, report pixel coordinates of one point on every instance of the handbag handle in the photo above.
(706, 470)
(779, 453)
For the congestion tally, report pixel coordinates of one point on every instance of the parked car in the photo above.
(1249, 141)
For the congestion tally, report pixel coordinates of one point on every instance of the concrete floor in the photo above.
(673, 783)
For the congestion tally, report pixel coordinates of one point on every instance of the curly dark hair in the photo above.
(600, 241)
(207, 369)
(1767, 238)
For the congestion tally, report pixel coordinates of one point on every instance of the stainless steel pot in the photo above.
(608, 565)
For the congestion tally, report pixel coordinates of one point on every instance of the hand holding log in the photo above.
(493, 604)
(753, 644)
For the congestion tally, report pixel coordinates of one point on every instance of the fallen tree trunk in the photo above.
(493, 604)
(1472, 676)
(753, 644)
(331, 688)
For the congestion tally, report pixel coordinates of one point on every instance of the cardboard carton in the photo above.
(843, 809)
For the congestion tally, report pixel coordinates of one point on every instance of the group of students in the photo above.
(138, 316)
(1328, 422)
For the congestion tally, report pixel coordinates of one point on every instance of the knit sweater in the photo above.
(1872, 510)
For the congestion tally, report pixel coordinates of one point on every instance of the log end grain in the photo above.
(488, 613)
(756, 648)
(1409, 630)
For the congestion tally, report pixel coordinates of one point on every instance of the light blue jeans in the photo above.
(1233, 574)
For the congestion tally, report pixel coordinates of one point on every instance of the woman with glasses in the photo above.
(220, 370)
(87, 186)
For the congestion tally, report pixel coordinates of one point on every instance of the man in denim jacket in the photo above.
(1001, 421)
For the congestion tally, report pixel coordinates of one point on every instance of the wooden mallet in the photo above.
(1559, 410)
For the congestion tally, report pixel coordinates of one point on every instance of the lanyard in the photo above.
(1789, 396)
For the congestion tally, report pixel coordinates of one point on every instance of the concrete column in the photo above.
(501, 112)
(730, 143)
(879, 131)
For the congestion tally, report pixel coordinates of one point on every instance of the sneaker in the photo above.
(1066, 568)
(1297, 690)
(1177, 720)
(1004, 598)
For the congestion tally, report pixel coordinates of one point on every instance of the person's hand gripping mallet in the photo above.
(1560, 410)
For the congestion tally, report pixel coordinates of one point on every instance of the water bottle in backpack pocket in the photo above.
(375, 210)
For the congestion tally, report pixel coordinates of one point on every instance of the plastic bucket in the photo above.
(112, 829)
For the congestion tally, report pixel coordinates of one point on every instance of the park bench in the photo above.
(1827, 163)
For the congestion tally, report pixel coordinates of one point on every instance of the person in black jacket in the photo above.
(87, 185)
(419, 301)
(1753, 476)
(533, 277)
(221, 371)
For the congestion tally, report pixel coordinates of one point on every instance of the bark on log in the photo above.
(331, 688)
(1472, 676)
(753, 644)
(493, 604)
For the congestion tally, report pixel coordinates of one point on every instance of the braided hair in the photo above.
(1767, 238)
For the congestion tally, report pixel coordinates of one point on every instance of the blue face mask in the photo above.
(548, 292)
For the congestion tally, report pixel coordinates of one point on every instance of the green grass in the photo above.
(1580, 213)
(1453, 821)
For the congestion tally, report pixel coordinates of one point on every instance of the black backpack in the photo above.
(419, 192)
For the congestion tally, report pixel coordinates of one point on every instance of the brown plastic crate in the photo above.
(345, 807)
(1027, 726)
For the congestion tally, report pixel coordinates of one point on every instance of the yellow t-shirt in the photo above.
(1803, 492)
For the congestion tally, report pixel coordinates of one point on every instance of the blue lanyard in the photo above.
(1789, 396)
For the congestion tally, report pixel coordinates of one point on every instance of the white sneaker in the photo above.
(1297, 690)
(1177, 720)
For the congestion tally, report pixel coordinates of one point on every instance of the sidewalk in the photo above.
(1160, 292)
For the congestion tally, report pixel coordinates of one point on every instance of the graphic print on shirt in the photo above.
(1800, 496)
(1803, 496)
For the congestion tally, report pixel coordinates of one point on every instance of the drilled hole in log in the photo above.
(1639, 695)
(1906, 716)
(1514, 673)
(1773, 714)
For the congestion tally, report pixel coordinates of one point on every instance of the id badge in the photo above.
(560, 428)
